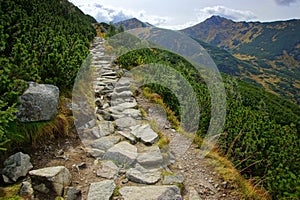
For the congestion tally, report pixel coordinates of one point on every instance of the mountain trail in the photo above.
(117, 155)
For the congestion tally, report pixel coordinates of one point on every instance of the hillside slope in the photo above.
(41, 41)
(272, 48)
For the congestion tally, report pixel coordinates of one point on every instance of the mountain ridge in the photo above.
(266, 54)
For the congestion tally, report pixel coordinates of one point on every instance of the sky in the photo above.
(175, 14)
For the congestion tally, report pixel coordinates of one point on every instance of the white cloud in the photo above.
(229, 13)
(105, 13)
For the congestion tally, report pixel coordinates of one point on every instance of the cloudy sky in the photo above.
(178, 14)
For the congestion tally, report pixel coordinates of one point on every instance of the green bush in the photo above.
(41, 41)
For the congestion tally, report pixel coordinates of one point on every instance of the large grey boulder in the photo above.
(150, 193)
(122, 153)
(144, 133)
(16, 166)
(142, 175)
(101, 190)
(38, 103)
(51, 180)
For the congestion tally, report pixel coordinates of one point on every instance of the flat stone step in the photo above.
(104, 143)
(123, 154)
(110, 77)
(119, 89)
(150, 158)
(170, 192)
(125, 123)
(111, 73)
(144, 133)
(118, 101)
(108, 170)
(138, 174)
(101, 190)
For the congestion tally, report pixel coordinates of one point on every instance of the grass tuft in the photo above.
(243, 187)
(10, 193)
(156, 98)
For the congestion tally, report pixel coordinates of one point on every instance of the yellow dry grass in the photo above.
(244, 56)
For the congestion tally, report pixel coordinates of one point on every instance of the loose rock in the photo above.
(38, 103)
(16, 166)
(51, 179)
(26, 191)
(71, 193)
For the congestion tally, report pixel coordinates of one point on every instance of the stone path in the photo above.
(124, 141)
(120, 158)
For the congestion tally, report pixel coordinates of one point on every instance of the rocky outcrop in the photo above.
(38, 103)
(16, 166)
(50, 179)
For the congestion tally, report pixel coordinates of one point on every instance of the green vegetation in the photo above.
(261, 133)
(10, 193)
(41, 41)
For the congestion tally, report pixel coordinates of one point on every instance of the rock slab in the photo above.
(38, 103)
(122, 153)
(150, 193)
(16, 166)
(144, 133)
(142, 175)
(173, 179)
(108, 170)
(101, 190)
(51, 179)
(152, 158)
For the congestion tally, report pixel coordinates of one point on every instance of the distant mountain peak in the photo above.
(216, 19)
(133, 23)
